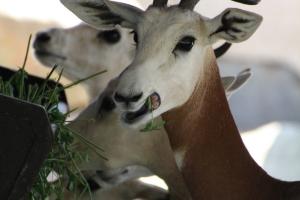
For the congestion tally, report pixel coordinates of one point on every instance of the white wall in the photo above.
(42, 10)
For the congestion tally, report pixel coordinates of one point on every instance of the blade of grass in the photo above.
(27, 51)
(41, 90)
(21, 89)
(54, 89)
(84, 79)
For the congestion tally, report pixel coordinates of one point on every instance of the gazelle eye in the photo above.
(111, 36)
(185, 44)
(135, 36)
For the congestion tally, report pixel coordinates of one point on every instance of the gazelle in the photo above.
(83, 50)
(155, 26)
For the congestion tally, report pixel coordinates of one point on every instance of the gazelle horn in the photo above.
(190, 4)
(221, 50)
(159, 3)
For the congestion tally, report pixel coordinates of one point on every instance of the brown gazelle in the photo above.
(171, 50)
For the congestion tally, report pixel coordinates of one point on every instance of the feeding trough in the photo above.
(26, 138)
(35, 141)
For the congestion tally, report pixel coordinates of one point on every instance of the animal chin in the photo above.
(152, 103)
(44, 55)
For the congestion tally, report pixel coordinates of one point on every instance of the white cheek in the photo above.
(183, 77)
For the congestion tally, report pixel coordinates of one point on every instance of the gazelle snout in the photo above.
(128, 98)
(46, 37)
(135, 102)
(44, 40)
(47, 47)
(42, 37)
(130, 92)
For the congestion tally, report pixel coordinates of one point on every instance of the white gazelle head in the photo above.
(171, 48)
(83, 50)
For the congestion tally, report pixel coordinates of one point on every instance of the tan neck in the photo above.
(216, 164)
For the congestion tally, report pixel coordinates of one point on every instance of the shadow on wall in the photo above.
(13, 39)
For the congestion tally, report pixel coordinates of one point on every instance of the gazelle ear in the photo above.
(227, 81)
(232, 84)
(104, 14)
(233, 25)
(129, 13)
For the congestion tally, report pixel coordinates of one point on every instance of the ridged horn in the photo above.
(159, 3)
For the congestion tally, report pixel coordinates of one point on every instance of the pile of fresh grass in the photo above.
(64, 158)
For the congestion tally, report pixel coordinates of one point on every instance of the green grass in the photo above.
(64, 157)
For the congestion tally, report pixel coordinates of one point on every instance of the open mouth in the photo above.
(43, 53)
(152, 103)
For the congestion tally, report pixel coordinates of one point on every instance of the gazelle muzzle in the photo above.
(151, 103)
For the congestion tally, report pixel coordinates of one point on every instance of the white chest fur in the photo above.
(179, 157)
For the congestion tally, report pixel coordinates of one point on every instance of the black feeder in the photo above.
(25, 141)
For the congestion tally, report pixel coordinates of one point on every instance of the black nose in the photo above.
(42, 37)
(127, 99)
(93, 184)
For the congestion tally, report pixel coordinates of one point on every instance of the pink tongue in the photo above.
(154, 101)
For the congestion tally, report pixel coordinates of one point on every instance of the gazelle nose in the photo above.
(42, 37)
(127, 99)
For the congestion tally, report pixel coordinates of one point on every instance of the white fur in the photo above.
(179, 157)
(128, 190)
(86, 55)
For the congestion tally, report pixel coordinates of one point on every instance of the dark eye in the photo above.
(135, 37)
(185, 44)
(111, 36)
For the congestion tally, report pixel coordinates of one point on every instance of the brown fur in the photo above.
(217, 165)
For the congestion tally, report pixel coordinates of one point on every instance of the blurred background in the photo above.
(267, 109)
(277, 38)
